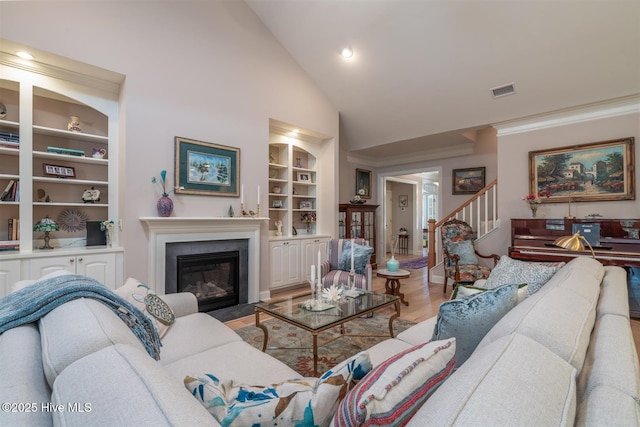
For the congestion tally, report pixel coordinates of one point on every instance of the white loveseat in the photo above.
(564, 356)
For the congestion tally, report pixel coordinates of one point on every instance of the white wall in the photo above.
(207, 70)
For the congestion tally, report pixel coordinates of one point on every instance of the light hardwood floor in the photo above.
(423, 299)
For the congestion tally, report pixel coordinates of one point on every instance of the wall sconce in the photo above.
(47, 225)
(574, 243)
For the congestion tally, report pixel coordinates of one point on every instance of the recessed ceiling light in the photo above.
(347, 52)
(24, 55)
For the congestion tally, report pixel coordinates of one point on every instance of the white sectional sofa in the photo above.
(564, 356)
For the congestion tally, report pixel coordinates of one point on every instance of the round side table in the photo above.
(392, 286)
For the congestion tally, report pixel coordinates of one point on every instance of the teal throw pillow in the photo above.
(361, 257)
(465, 250)
(509, 270)
(469, 319)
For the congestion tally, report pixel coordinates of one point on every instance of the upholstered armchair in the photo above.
(335, 270)
(461, 263)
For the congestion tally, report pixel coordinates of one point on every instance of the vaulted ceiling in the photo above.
(422, 71)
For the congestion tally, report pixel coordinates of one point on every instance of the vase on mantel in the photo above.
(165, 205)
(534, 209)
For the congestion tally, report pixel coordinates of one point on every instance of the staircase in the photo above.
(480, 212)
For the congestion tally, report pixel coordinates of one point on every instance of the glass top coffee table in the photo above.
(315, 320)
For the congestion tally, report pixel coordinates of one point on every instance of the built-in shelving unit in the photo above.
(50, 167)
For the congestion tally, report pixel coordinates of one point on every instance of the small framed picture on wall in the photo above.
(403, 201)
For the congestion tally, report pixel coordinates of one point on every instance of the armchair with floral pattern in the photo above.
(461, 262)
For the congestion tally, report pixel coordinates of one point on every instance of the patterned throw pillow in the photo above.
(393, 391)
(304, 401)
(509, 270)
(141, 296)
(469, 319)
(361, 256)
(465, 250)
(462, 291)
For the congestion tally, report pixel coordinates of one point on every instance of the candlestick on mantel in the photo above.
(242, 193)
(313, 273)
(258, 195)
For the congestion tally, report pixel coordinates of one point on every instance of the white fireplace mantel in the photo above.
(194, 229)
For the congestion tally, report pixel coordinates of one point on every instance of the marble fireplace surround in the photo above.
(193, 229)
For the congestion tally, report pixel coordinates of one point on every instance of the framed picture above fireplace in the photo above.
(206, 169)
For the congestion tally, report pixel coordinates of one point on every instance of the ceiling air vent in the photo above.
(504, 90)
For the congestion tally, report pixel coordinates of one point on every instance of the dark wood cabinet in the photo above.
(532, 240)
(358, 222)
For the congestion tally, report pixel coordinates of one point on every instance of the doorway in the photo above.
(421, 190)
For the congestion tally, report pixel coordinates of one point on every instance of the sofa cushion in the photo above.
(194, 334)
(238, 360)
(469, 319)
(611, 359)
(141, 296)
(393, 391)
(21, 376)
(556, 318)
(361, 257)
(509, 270)
(607, 406)
(513, 382)
(301, 401)
(386, 349)
(78, 328)
(123, 386)
(420, 332)
(614, 294)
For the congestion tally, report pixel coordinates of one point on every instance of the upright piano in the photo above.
(618, 244)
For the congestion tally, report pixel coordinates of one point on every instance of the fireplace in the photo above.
(163, 233)
(215, 271)
(213, 278)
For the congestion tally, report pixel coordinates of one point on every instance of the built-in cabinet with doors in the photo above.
(58, 154)
(294, 201)
(358, 221)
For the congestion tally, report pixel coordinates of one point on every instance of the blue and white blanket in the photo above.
(32, 302)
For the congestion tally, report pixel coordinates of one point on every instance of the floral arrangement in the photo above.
(358, 197)
(536, 198)
(163, 183)
(533, 200)
(107, 227)
(308, 217)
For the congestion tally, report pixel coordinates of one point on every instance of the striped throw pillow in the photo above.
(393, 391)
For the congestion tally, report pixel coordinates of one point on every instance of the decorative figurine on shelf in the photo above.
(74, 124)
(298, 163)
(271, 158)
(278, 225)
(230, 212)
(107, 227)
(91, 196)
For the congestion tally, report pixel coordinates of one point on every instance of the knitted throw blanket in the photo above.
(31, 303)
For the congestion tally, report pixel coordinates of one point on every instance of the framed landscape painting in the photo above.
(206, 169)
(598, 171)
(468, 181)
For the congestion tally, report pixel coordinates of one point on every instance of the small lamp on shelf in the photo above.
(47, 225)
(574, 243)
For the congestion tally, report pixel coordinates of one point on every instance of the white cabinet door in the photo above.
(9, 275)
(101, 267)
(310, 248)
(285, 263)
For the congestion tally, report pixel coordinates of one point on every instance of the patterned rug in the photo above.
(414, 263)
(282, 334)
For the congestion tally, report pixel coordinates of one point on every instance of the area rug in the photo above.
(414, 263)
(300, 359)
